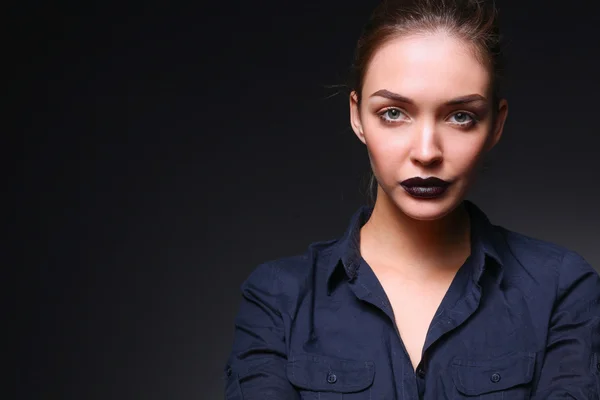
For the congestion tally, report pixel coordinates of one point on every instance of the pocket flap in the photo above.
(475, 377)
(330, 374)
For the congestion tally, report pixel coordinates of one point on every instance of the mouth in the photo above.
(425, 188)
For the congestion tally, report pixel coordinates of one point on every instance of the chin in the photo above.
(427, 209)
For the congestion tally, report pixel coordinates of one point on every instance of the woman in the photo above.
(423, 297)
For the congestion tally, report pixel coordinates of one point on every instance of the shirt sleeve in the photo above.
(256, 367)
(571, 368)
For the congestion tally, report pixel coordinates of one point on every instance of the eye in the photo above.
(463, 118)
(392, 114)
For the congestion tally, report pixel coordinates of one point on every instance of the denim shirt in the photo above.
(520, 320)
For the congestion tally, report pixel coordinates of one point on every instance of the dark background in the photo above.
(165, 150)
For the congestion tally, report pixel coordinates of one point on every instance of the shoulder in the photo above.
(291, 274)
(542, 261)
(528, 250)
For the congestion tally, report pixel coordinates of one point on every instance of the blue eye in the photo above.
(392, 114)
(463, 118)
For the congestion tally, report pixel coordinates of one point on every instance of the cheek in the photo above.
(464, 155)
(387, 150)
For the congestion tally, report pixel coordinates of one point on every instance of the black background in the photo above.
(164, 150)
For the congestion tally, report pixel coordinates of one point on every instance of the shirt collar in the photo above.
(486, 243)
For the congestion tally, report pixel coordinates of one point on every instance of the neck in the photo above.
(393, 239)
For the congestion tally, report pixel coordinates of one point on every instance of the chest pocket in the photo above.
(325, 377)
(507, 377)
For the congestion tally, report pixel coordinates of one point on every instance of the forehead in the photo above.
(427, 67)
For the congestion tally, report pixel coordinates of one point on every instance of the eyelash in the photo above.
(474, 120)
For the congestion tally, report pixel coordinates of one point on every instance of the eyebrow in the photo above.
(458, 100)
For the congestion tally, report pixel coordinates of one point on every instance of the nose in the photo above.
(426, 149)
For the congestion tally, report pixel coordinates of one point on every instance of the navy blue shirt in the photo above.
(520, 320)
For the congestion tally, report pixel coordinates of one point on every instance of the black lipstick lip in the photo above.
(425, 188)
(424, 182)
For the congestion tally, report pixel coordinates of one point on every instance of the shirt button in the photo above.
(495, 378)
(331, 378)
(421, 372)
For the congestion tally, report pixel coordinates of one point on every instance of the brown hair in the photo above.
(474, 21)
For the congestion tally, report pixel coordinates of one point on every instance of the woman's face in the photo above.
(426, 112)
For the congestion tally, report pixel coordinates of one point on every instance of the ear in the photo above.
(355, 121)
(498, 128)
